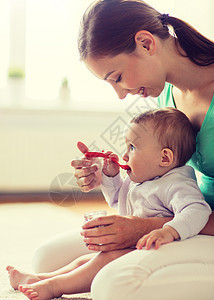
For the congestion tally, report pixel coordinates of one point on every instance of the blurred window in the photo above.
(39, 39)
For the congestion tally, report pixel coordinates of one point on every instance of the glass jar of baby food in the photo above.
(93, 215)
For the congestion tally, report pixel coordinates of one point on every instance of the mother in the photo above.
(128, 44)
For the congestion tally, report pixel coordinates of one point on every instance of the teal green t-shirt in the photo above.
(203, 159)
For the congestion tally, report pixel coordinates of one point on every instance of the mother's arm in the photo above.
(123, 232)
(118, 232)
(209, 228)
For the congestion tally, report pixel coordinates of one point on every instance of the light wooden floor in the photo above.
(87, 206)
(91, 203)
(88, 201)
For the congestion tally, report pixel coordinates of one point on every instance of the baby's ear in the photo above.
(167, 157)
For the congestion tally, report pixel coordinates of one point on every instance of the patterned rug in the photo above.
(22, 228)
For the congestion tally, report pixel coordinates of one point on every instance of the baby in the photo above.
(158, 183)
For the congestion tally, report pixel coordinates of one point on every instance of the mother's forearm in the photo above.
(149, 224)
(146, 225)
(209, 228)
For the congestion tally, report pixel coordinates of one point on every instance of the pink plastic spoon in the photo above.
(100, 154)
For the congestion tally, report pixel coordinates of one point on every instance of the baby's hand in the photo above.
(161, 236)
(110, 168)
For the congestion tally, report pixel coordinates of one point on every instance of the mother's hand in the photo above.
(117, 232)
(87, 171)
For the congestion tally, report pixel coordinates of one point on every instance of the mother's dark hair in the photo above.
(108, 28)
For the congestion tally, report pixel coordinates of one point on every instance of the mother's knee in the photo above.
(59, 251)
(41, 260)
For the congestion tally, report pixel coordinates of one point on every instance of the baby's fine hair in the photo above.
(173, 130)
(108, 28)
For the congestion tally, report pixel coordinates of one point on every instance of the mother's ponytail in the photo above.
(197, 47)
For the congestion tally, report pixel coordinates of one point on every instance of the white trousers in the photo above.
(59, 251)
(182, 270)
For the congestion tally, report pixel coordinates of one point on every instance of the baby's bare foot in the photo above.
(42, 290)
(16, 277)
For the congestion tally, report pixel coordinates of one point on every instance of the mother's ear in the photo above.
(167, 157)
(144, 39)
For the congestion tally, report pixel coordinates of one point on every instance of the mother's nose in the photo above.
(122, 93)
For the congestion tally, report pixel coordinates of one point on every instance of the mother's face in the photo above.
(136, 73)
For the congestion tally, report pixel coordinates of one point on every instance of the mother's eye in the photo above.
(119, 79)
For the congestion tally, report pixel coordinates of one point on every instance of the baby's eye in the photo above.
(119, 79)
(132, 147)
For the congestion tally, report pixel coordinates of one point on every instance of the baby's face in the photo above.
(143, 153)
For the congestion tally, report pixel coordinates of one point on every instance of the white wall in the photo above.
(38, 145)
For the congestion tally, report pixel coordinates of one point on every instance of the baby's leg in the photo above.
(76, 281)
(52, 256)
(17, 277)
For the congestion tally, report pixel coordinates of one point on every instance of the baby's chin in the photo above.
(134, 178)
(139, 179)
